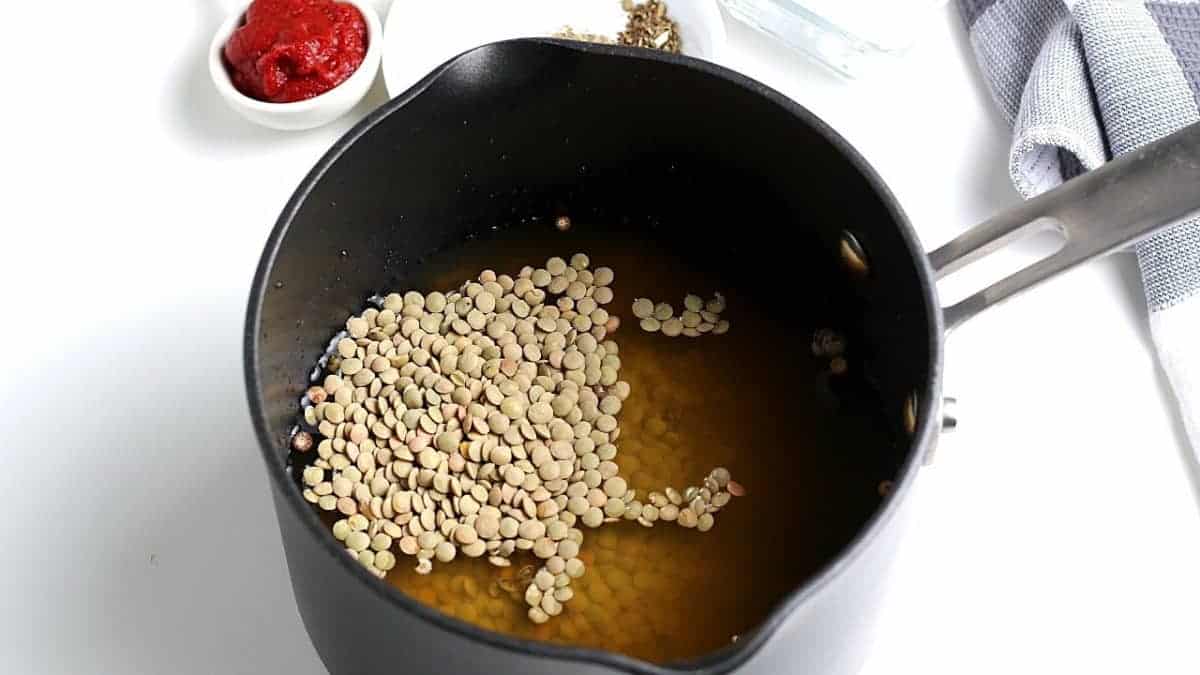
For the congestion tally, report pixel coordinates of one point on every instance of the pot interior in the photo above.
(676, 178)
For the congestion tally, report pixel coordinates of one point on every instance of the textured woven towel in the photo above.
(1082, 82)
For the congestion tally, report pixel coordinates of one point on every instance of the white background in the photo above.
(1057, 531)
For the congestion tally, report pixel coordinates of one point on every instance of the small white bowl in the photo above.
(309, 113)
(423, 35)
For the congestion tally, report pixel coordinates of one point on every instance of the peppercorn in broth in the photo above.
(724, 453)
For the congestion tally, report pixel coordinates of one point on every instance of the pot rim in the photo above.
(722, 660)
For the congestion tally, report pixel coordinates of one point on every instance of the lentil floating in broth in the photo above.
(493, 453)
(698, 317)
(482, 421)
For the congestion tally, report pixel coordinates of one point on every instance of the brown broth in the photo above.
(748, 401)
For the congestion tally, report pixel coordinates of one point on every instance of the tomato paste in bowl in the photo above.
(293, 50)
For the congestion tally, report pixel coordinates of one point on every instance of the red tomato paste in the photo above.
(292, 50)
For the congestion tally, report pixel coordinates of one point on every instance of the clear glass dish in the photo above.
(850, 36)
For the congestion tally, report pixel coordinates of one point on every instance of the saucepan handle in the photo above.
(1122, 202)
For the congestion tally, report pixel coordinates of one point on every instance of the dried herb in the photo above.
(650, 27)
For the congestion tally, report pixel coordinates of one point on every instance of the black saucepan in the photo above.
(518, 132)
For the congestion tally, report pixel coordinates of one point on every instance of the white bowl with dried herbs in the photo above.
(420, 36)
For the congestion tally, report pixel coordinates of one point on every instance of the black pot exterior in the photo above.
(516, 131)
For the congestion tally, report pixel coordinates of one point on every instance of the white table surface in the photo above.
(1057, 532)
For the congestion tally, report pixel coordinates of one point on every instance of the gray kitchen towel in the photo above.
(1082, 82)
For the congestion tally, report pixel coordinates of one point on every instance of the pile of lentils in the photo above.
(698, 317)
(484, 422)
